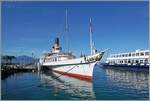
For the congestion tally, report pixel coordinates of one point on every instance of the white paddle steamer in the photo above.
(67, 64)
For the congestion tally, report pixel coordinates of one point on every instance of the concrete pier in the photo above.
(8, 70)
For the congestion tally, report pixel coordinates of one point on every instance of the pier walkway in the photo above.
(7, 70)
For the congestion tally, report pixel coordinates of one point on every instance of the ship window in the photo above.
(137, 54)
(141, 61)
(142, 54)
(146, 60)
(122, 55)
(137, 61)
(129, 54)
(57, 48)
(133, 54)
(129, 61)
(146, 53)
(125, 55)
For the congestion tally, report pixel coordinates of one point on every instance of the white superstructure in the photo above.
(67, 64)
(138, 57)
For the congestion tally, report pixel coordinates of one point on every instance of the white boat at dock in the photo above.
(138, 58)
(67, 64)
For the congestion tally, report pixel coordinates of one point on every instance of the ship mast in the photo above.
(91, 42)
(66, 31)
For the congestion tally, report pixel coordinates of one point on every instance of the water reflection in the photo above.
(129, 79)
(108, 84)
(121, 83)
(75, 88)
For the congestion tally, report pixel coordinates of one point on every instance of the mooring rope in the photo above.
(66, 71)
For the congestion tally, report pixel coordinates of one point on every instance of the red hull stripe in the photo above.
(81, 77)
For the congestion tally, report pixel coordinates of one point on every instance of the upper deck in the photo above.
(130, 55)
(136, 57)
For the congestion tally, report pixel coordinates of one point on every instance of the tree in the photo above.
(11, 58)
(8, 58)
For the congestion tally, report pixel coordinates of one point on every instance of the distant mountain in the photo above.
(23, 60)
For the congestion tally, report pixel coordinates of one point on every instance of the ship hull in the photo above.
(80, 71)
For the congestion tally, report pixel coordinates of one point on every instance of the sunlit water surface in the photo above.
(108, 83)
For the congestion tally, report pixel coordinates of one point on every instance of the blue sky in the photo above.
(32, 26)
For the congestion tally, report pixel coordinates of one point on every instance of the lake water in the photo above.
(108, 83)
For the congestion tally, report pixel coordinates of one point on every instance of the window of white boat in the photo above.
(133, 54)
(137, 54)
(146, 61)
(126, 55)
(122, 55)
(57, 48)
(141, 61)
(129, 54)
(146, 53)
(137, 61)
(129, 61)
(142, 54)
